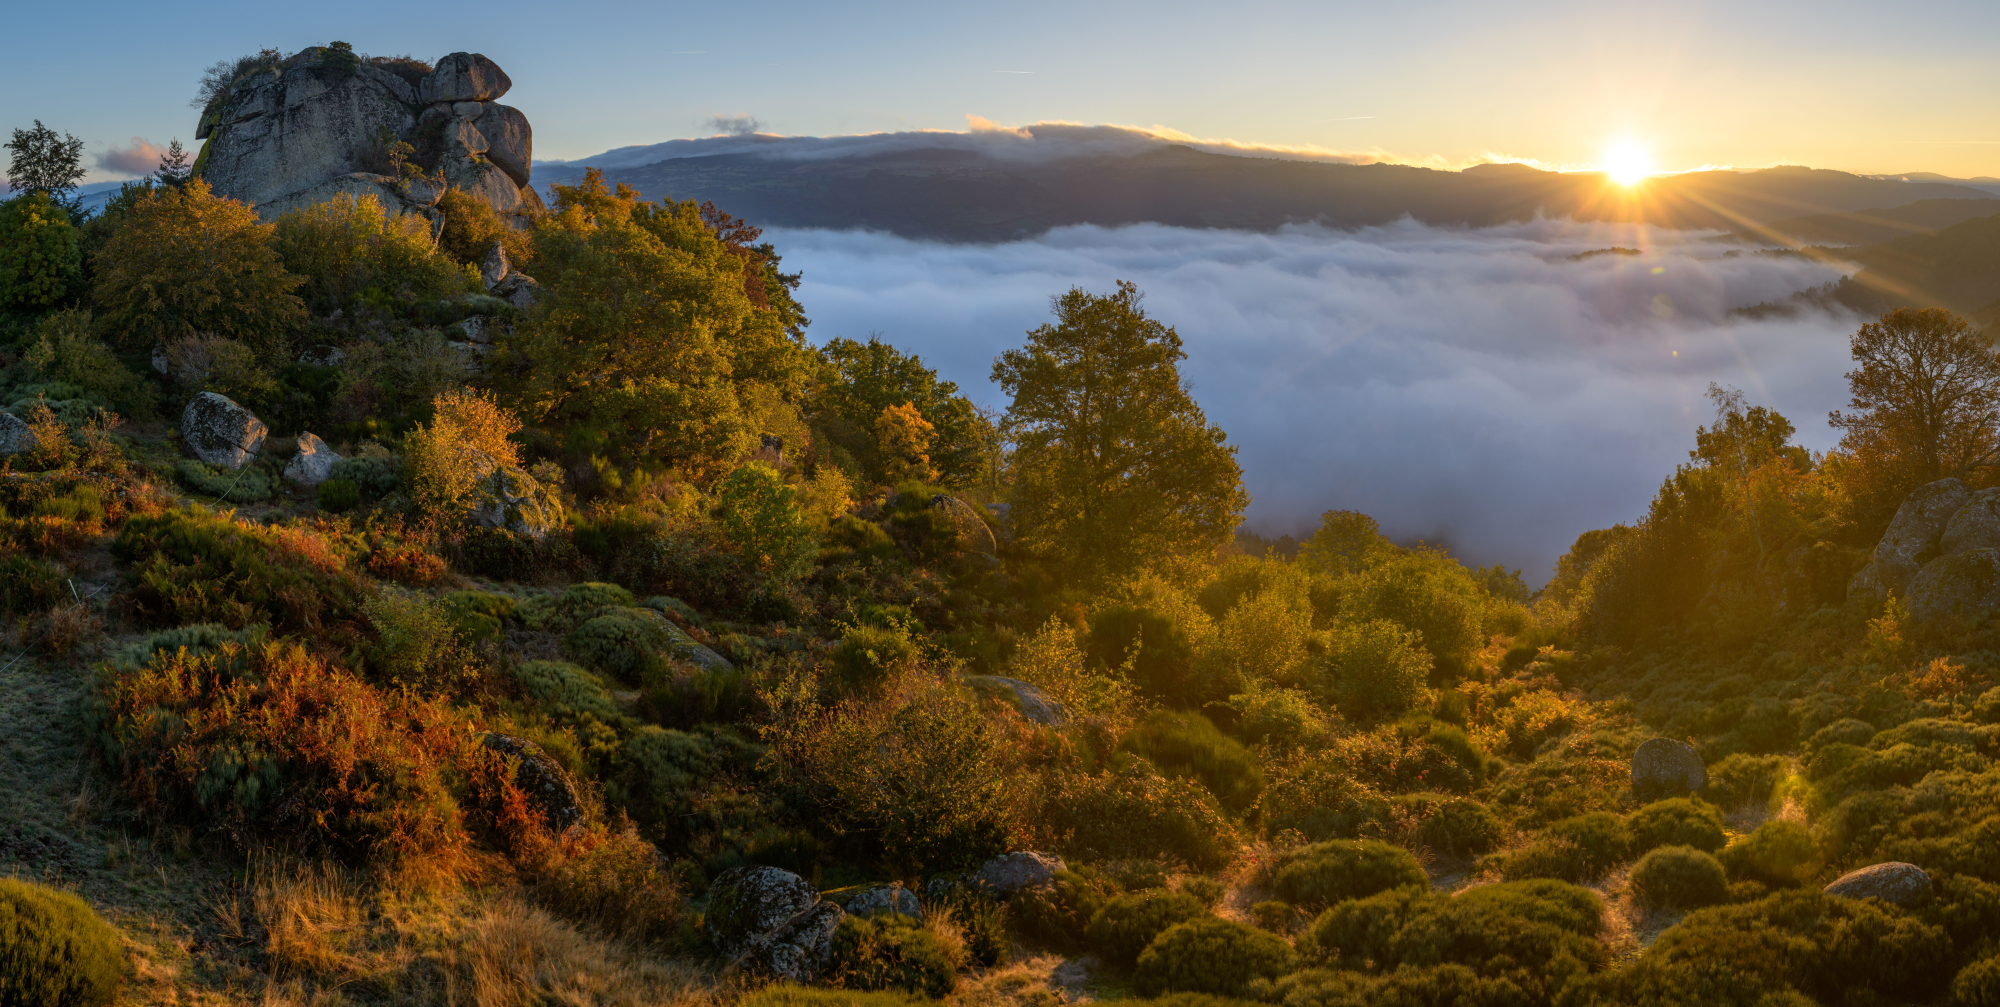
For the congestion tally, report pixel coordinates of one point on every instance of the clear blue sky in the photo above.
(1868, 87)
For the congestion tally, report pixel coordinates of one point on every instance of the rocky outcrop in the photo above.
(1663, 767)
(1906, 885)
(880, 897)
(513, 500)
(314, 462)
(322, 356)
(1941, 554)
(324, 121)
(770, 921)
(15, 435)
(220, 432)
(502, 281)
(550, 791)
(1034, 705)
(1013, 872)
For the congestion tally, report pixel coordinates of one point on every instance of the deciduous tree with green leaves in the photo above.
(42, 160)
(1114, 464)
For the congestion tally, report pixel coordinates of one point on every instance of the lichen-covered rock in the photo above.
(15, 435)
(1906, 885)
(513, 500)
(1036, 706)
(1975, 526)
(1912, 539)
(550, 791)
(693, 651)
(495, 268)
(519, 290)
(1663, 767)
(510, 142)
(880, 897)
(798, 949)
(748, 904)
(1963, 585)
(314, 462)
(464, 76)
(323, 356)
(1012, 872)
(220, 432)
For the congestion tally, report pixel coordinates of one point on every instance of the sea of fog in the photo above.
(1481, 389)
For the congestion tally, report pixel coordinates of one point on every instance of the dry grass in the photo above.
(520, 956)
(307, 912)
(1028, 982)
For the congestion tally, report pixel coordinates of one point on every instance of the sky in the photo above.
(1863, 87)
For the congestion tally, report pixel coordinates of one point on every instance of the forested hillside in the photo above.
(534, 615)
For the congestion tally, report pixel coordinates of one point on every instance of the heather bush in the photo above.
(1134, 812)
(1977, 984)
(1322, 874)
(416, 645)
(1450, 824)
(1056, 914)
(1186, 743)
(1781, 853)
(1557, 903)
(1741, 779)
(621, 642)
(1679, 877)
(1676, 821)
(1210, 955)
(256, 480)
(478, 615)
(338, 495)
(868, 654)
(692, 788)
(55, 951)
(373, 477)
(1127, 923)
(1541, 948)
(570, 696)
(788, 995)
(192, 566)
(891, 952)
(620, 886)
(1160, 658)
(29, 585)
(1375, 669)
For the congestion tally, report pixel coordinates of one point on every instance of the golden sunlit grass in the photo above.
(1626, 161)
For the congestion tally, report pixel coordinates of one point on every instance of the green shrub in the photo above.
(1322, 874)
(41, 257)
(682, 785)
(1056, 914)
(1677, 821)
(1543, 858)
(253, 482)
(373, 477)
(1134, 812)
(977, 913)
(1186, 743)
(1780, 853)
(1410, 986)
(1548, 943)
(1377, 669)
(1210, 955)
(54, 949)
(1426, 591)
(478, 615)
(191, 566)
(861, 536)
(199, 638)
(1543, 900)
(866, 655)
(1741, 779)
(621, 886)
(1128, 923)
(338, 495)
(1277, 917)
(1977, 984)
(890, 952)
(29, 585)
(569, 694)
(788, 995)
(1451, 824)
(1208, 890)
(1680, 877)
(620, 641)
(762, 521)
(415, 644)
(1161, 658)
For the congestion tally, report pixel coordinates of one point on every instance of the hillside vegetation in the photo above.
(625, 646)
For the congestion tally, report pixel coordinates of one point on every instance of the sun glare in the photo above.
(1626, 162)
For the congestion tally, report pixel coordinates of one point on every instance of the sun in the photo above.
(1626, 161)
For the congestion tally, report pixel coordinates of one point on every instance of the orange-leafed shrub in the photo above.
(270, 743)
(406, 564)
(190, 566)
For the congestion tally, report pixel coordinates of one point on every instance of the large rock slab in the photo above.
(314, 462)
(15, 434)
(550, 791)
(1913, 538)
(881, 897)
(1975, 526)
(1663, 767)
(1906, 885)
(1963, 585)
(1012, 872)
(1034, 705)
(510, 142)
(747, 905)
(798, 949)
(279, 134)
(464, 76)
(220, 432)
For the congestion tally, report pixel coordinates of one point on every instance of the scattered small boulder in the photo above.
(15, 434)
(1035, 705)
(220, 432)
(1012, 872)
(519, 290)
(880, 897)
(314, 462)
(160, 361)
(693, 651)
(550, 790)
(1664, 768)
(748, 904)
(1901, 884)
(321, 356)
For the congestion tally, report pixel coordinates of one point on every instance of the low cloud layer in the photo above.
(140, 157)
(1040, 141)
(1476, 388)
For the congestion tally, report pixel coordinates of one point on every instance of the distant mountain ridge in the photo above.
(1867, 227)
(956, 192)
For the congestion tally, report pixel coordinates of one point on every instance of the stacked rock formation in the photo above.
(320, 124)
(1941, 554)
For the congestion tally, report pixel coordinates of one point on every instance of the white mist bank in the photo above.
(1470, 387)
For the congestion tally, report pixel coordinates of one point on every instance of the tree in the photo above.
(904, 440)
(45, 162)
(174, 169)
(1114, 464)
(1925, 404)
(41, 258)
(188, 261)
(467, 440)
(350, 245)
(874, 376)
